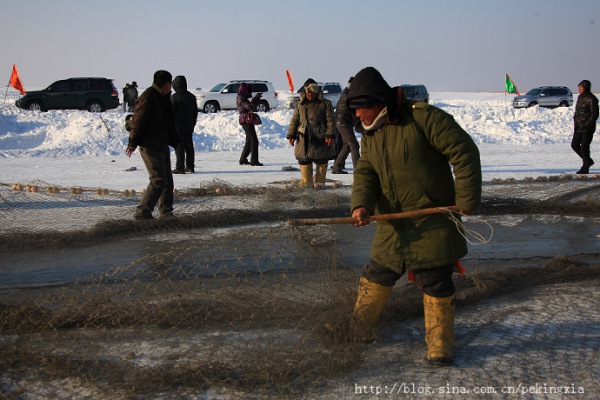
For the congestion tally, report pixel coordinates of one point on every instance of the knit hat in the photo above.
(586, 85)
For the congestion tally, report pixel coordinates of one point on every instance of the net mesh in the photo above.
(227, 298)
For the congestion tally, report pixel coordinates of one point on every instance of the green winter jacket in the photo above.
(406, 165)
(311, 123)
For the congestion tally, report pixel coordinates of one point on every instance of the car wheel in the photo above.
(95, 106)
(563, 104)
(211, 107)
(262, 106)
(35, 106)
(532, 104)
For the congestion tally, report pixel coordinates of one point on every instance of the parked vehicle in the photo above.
(331, 91)
(545, 96)
(92, 94)
(223, 96)
(416, 92)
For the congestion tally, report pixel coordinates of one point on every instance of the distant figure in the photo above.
(132, 96)
(153, 130)
(126, 97)
(246, 106)
(311, 129)
(345, 122)
(185, 111)
(586, 114)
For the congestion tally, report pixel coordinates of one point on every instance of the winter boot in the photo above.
(370, 302)
(320, 177)
(306, 172)
(439, 329)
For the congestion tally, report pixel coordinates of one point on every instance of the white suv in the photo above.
(224, 95)
(331, 91)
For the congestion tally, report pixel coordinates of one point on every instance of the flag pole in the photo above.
(6, 93)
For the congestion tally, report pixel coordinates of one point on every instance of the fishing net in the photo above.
(228, 299)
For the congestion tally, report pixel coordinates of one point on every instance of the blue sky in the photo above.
(460, 45)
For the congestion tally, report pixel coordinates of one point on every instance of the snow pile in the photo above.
(488, 117)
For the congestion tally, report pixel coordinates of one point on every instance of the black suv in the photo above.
(416, 92)
(92, 94)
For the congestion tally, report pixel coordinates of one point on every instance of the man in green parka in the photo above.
(410, 151)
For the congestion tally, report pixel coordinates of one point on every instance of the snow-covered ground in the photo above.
(76, 148)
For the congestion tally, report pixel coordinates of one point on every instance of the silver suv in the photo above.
(545, 96)
(224, 95)
(331, 91)
(416, 92)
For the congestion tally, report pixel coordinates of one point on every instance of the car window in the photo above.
(259, 87)
(332, 88)
(233, 88)
(98, 84)
(218, 87)
(409, 91)
(78, 85)
(534, 92)
(60, 86)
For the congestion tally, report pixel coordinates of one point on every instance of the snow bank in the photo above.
(488, 117)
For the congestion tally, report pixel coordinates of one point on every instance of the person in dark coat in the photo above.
(152, 129)
(185, 111)
(586, 114)
(413, 156)
(132, 96)
(126, 97)
(246, 104)
(345, 122)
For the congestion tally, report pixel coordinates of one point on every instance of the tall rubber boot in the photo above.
(369, 306)
(439, 329)
(321, 174)
(306, 175)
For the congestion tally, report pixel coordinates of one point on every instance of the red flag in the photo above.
(15, 80)
(290, 80)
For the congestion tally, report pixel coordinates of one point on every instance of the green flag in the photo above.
(510, 86)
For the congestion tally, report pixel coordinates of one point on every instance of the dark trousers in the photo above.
(160, 188)
(581, 145)
(350, 146)
(434, 282)
(185, 152)
(251, 146)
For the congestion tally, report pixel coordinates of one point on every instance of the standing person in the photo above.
(311, 129)
(126, 97)
(152, 129)
(185, 111)
(132, 95)
(345, 122)
(245, 107)
(406, 153)
(586, 114)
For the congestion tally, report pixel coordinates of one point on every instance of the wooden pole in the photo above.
(376, 217)
(104, 122)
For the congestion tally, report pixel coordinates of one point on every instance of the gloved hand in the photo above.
(291, 140)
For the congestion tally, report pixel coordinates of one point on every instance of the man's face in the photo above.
(367, 115)
(311, 95)
(581, 89)
(166, 89)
